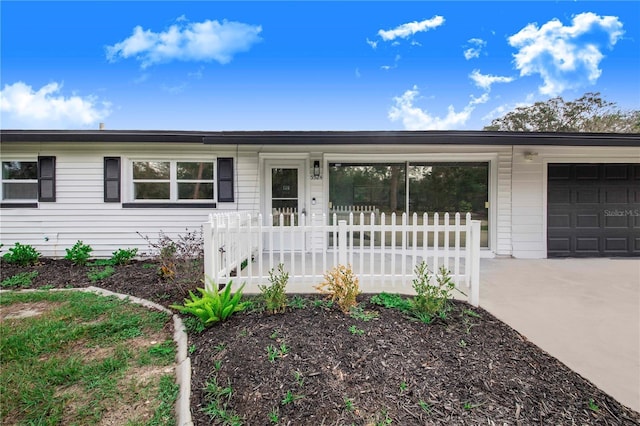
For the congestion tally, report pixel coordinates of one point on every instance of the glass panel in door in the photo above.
(284, 195)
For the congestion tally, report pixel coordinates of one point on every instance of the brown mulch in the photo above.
(390, 370)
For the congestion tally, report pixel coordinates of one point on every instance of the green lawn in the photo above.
(83, 359)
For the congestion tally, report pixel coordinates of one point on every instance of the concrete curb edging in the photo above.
(183, 362)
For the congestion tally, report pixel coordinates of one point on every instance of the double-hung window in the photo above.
(27, 181)
(19, 181)
(172, 181)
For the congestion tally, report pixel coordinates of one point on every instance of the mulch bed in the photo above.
(341, 370)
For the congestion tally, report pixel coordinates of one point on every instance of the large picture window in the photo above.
(425, 187)
(173, 181)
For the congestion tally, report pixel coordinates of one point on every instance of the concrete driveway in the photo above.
(584, 312)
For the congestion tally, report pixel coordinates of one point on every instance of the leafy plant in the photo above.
(470, 406)
(392, 301)
(22, 254)
(123, 256)
(431, 300)
(274, 418)
(358, 313)
(341, 285)
(214, 305)
(79, 253)
(403, 386)
(348, 404)
(22, 279)
(218, 398)
(299, 379)
(297, 302)
(290, 397)
(356, 331)
(96, 274)
(193, 325)
(319, 303)
(273, 352)
(425, 406)
(274, 295)
(181, 259)
(593, 406)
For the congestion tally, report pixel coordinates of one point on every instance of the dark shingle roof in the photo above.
(322, 137)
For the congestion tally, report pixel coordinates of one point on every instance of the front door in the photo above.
(285, 199)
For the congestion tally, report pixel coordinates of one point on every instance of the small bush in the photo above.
(214, 305)
(123, 256)
(342, 286)
(392, 301)
(22, 254)
(79, 253)
(22, 279)
(274, 295)
(181, 260)
(431, 300)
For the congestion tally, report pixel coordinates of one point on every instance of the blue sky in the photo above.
(264, 65)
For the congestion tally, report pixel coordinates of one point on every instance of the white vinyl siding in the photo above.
(80, 212)
(529, 225)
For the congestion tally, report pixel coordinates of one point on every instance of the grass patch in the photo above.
(77, 361)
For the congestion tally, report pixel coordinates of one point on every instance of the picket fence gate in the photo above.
(382, 251)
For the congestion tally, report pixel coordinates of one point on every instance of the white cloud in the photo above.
(199, 41)
(501, 110)
(25, 107)
(410, 28)
(565, 57)
(373, 44)
(475, 49)
(484, 81)
(415, 118)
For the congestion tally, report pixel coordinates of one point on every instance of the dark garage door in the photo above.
(593, 210)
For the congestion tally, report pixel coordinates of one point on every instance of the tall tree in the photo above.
(590, 113)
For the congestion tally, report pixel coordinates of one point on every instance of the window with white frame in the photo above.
(172, 181)
(19, 181)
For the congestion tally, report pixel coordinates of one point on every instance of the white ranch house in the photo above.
(535, 195)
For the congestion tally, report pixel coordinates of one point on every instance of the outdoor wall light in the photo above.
(316, 170)
(529, 156)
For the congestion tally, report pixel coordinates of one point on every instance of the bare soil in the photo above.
(391, 370)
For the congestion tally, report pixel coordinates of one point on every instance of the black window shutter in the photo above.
(225, 180)
(47, 179)
(111, 179)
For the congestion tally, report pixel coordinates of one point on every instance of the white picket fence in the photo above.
(381, 250)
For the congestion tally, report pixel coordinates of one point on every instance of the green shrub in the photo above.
(123, 256)
(431, 300)
(181, 259)
(341, 284)
(79, 253)
(22, 254)
(392, 301)
(22, 279)
(274, 295)
(214, 305)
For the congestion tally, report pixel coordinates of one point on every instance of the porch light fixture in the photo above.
(316, 170)
(529, 156)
